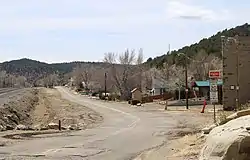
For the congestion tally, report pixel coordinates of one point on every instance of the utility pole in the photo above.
(105, 84)
(186, 79)
(237, 74)
(236, 43)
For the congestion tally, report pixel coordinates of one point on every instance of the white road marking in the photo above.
(130, 126)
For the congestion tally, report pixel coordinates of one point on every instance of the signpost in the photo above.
(214, 75)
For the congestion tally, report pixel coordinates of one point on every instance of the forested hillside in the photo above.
(34, 70)
(212, 46)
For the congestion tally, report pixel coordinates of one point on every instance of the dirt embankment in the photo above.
(52, 108)
(17, 111)
(41, 109)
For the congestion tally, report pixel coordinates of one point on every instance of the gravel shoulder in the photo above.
(52, 108)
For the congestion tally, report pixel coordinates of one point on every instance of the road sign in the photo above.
(213, 91)
(215, 74)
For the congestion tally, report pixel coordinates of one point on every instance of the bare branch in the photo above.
(127, 58)
(110, 57)
(140, 57)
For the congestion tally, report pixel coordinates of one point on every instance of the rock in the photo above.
(30, 128)
(44, 128)
(229, 141)
(73, 127)
(207, 130)
(21, 127)
(233, 116)
(37, 127)
(9, 127)
(63, 128)
(238, 114)
(243, 113)
(2, 128)
(53, 126)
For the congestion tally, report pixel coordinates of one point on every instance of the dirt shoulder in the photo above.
(186, 139)
(52, 108)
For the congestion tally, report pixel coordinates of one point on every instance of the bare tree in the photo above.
(21, 81)
(121, 76)
(202, 63)
(2, 78)
(49, 81)
(83, 74)
(139, 63)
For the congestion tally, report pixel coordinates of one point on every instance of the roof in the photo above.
(207, 83)
(135, 89)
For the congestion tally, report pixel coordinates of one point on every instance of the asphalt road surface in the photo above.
(8, 93)
(125, 132)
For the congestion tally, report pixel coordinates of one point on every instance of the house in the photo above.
(136, 94)
(158, 86)
(202, 89)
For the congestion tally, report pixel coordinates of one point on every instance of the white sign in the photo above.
(213, 91)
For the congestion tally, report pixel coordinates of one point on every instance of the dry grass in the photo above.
(190, 146)
(245, 107)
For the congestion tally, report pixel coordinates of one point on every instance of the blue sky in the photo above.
(83, 30)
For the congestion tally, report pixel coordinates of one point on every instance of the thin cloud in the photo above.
(183, 10)
(191, 17)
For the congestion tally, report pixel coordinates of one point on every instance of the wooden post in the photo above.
(166, 105)
(214, 114)
(59, 125)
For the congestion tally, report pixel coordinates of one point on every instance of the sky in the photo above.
(83, 30)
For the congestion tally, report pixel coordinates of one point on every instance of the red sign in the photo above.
(215, 74)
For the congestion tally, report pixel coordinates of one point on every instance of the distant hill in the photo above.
(34, 70)
(211, 45)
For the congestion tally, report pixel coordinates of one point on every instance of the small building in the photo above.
(136, 94)
(202, 89)
(158, 86)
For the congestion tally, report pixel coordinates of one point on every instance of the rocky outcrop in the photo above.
(236, 115)
(230, 141)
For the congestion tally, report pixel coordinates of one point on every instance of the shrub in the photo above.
(135, 102)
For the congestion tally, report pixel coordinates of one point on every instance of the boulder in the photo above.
(230, 141)
(36, 127)
(207, 130)
(238, 114)
(53, 126)
(9, 127)
(243, 113)
(21, 127)
(73, 127)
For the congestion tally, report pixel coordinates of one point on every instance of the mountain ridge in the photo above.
(211, 45)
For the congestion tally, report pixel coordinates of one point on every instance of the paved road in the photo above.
(7, 93)
(125, 132)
